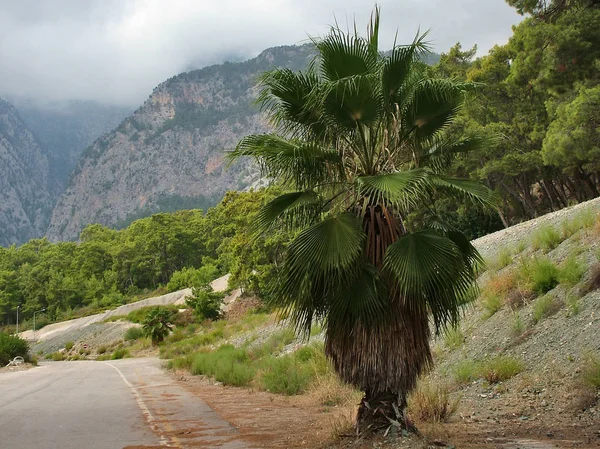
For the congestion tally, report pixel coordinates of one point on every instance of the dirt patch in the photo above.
(267, 420)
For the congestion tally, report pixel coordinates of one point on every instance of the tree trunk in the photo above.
(380, 411)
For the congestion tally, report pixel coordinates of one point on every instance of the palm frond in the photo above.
(294, 210)
(284, 95)
(431, 272)
(443, 151)
(400, 188)
(320, 260)
(435, 102)
(303, 163)
(465, 187)
(343, 55)
(352, 100)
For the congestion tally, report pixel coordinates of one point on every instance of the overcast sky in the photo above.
(117, 51)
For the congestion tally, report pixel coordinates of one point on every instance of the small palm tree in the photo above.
(156, 325)
(361, 142)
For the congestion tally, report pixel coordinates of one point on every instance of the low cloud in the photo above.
(117, 51)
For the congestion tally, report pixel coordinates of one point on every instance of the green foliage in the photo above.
(582, 220)
(205, 303)
(517, 327)
(227, 364)
(491, 302)
(11, 347)
(139, 316)
(454, 338)
(571, 271)
(500, 368)
(192, 277)
(156, 325)
(546, 238)
(591, 369)
(545, 306)
(572, 303)
(494, 369)
(69, 345)
(540, 273)
(133, 333)
(120, 353)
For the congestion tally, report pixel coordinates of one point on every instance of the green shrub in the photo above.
(227, 364)
(591, 370)
(69, 345)
(57, 356)
(572, 302)
(546, 238)
(119, 353)
(133, 333)
(544, 307)
(11, 347)
(491, 303)
(518, 327)
(285, 375)
(102, 349)
(465, 371)
(571, 271)
(454, 338)
(540, 273)
(139, 316)
(192, 277)
(582, 220)
(500, 368)
(205, 303)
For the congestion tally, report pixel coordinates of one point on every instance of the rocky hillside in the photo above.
(26, 189)
(169, 154)
(66, 129)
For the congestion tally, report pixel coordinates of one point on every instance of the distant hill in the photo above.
(26, 188)
(169, 154)
(66, 129)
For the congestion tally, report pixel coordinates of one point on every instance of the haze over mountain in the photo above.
(116, 52)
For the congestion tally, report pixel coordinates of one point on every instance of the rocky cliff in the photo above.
(169, 154)
(26, 189)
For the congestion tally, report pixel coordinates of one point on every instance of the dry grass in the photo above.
(431, 402)
(342, 426)
(329, 390)
(593, 283)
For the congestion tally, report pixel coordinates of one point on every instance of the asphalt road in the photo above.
(128, 403)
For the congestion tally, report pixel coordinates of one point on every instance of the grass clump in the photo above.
(500, 368)
(544, 307)
(454, 338)
(583, 220)
(540, 274)
(491, 303)
(69, 345)
(571, 271)
(572, 303)
(591, 370)
(133, 333)
(495, 369)
(227, 364)
(120, 353)
(465, 371)
(546, 238)
(431, 402)
(517, 327)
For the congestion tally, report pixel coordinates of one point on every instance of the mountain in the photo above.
(169, 154)
(26, 188)
(64, 130)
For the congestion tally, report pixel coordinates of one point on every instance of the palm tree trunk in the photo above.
(380, 410)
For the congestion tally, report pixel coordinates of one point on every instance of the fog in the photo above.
(117, 51)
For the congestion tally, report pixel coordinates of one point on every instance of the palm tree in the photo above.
(156, 324)
(361, 141)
